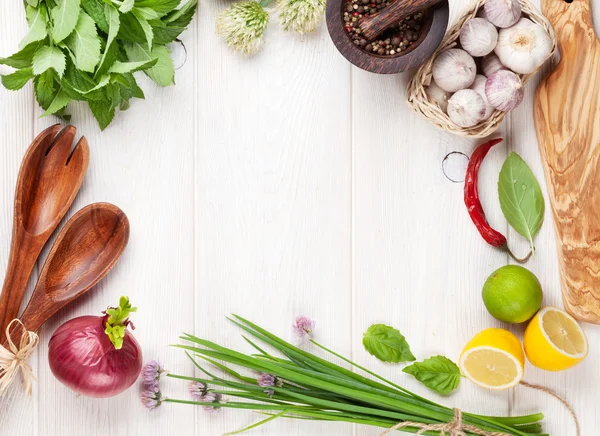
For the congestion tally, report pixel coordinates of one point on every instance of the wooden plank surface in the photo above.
(281, 185)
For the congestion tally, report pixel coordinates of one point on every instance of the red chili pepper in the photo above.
(491, 236)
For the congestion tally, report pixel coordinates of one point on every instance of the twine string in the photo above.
(14, 359)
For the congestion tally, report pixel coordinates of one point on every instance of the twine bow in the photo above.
(14, 359)
(456, 427)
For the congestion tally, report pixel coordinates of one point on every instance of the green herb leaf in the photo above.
(182, 16)
(160, 6)
(131, 30)
(60, 101)
(101, 109)
(33, 3)
(18, 79)
(163, 73)
(113, 29)
(95, 9)
(49, 57)
(146, 27)
(126, 6)
(521, 197)
(437, 373)
(85, 43)
(64, 18)
(23, 58)
(387, 344)
(36, 18)
(147, 13)
(131, 67)
(45, 88)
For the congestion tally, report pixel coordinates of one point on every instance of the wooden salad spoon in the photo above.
(49, 179)
(85, 250)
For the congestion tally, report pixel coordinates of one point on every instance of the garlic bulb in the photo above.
(466, 108)
(502, 13)
(438, 95)
(479, 87)
(490, 64)
(453, 70)
(504, 90)
(478, 37)
(523, 47)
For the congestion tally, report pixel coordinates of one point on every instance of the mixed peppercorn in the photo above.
(392, 41)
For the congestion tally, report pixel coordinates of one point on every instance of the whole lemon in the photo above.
(512, 294)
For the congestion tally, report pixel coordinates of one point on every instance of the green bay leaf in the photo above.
(18, 79)
(387, 344)
(521, 197)
(36, 18)
(47, 57)
(163, 73)
(437, 373)
(85, 43)
(64, 18)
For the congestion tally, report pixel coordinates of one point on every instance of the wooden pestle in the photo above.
(373, 25)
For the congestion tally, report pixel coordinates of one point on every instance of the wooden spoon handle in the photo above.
(373, 25)
(24, 252)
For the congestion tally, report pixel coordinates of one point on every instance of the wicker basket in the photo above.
(423, 104)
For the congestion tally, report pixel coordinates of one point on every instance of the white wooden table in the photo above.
(289, 183)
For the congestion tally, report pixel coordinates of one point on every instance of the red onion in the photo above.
(95, 355)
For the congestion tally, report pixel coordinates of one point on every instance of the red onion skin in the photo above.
(82, 357)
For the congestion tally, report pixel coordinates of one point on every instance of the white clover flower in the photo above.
(301, 16)
(242, 26)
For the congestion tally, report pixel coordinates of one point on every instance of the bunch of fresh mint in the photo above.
(88, 50)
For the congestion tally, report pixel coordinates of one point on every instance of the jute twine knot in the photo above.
(456, 427)
(14, 359)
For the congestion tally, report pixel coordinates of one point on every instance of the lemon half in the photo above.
(493, 359)
(554, 341)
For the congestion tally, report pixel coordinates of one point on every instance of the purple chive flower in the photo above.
(151, 373)
(151, 398)
(303, 328)
(214, 398)
(197, 390)
(266, 381)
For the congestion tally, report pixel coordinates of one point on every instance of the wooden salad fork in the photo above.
(49, 179)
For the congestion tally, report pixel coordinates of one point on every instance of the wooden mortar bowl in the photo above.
(433, 31)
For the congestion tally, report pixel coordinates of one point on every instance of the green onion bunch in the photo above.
(299, 385)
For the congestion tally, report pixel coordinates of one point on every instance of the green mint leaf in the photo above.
(129, 86)
(160, 6)
(183, 16)
(45, 88)
(163, 73)
(23, 58)
(33, 3)
(438, 373)
(387, 344)
(49, 57)
(104, 80)
(36, 18)
(131, 30)
(163, 33)
(147, 13)
(18, 79)
(84, 43)
(64, 18)
(101, 109)
(113, 29)
(95, 9)
(146, 27)
(59, 102)
(521, 197)
(126, 6)
(132, 67)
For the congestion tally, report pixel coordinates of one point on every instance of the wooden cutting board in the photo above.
(567, 118)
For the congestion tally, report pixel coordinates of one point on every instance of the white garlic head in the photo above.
(504, 90)
(438, 95)
(490, 64)
(502, 13)
(523, 47)
(466, 108)
(478, 37)
(479, 87)
(454, 70)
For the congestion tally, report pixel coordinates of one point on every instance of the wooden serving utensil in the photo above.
(49, 179)
(567, 119)
(373, 25)
(85, 250)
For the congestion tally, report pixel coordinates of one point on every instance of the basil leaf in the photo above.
(85, 43)
(36, 18)
(387, 344)
(64, 18)
(521, 197)
(438, 373)
(163, 73)
(18, 79)
(47, 57)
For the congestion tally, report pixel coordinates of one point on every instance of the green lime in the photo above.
(512, 294)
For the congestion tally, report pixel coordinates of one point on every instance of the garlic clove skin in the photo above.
(502, 13)
(490, 64)
(479, 87)
(438, 95)
(478, 37)
(504, 90)
(523, 47)
(466, 108)
(454, 70)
